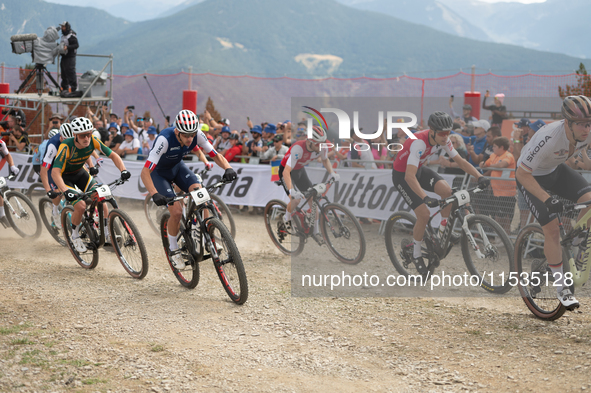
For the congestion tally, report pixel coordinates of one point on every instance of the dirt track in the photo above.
(63, 328)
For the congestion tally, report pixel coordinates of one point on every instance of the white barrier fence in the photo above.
(367, 193)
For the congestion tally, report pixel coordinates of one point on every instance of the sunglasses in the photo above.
(443, 133)
(188, 136)
(584, 124)
(84, 136)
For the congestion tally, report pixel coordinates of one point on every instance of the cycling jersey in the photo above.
(51, 149)
(547, 149)
(417, 151)
(298, 156)
(167, 150)
(71, 159)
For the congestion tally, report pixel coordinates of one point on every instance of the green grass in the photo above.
(75, 362)
(8, 355)
(157, 348)
(50, 344)
(474, 332)
(21, 341)
(33, 358)
(93, 381)
(4, 331)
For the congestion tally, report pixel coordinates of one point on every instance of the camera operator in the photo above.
(18, 140)
(69, 43)
(55, 121)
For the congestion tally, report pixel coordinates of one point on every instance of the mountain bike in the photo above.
(533, 276)
(46, 213)
(200, 239)
(486, 248)
(154, 213)
(126, 239)
(20, 211)
(340, 229)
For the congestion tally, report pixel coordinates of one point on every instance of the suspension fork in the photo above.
(468, 234)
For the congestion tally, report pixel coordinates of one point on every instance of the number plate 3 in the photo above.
(104, 192)
(200, 196)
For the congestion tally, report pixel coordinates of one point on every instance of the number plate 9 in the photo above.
(2, 182)
(200, 196)
(463, 197)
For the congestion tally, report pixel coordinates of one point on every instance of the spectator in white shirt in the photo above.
(130, 145)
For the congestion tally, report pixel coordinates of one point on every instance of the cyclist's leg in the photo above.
(187, 181)
(71, 181)
(571, 185)
(433, 182)
(162, 182)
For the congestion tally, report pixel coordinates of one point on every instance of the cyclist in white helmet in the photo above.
(542, 167)
(165, 165)
(293, 174)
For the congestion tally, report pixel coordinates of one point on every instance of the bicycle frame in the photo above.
(580, 276)
(316, 202)
(3, 190)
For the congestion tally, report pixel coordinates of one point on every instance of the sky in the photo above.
(135, 11)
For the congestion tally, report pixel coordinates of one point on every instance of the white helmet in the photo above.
(53, 132)
(66, 130)
(186, 122)
(81, 125)
(318, 134)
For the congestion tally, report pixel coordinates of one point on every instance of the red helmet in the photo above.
(318, 134)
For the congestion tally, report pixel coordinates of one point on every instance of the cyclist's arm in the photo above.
(410, 177)
(528, 181)
(221, 161)
(201, 156)
(466, 166)
(326, 162)
(147, 180)
(44, 178)
(585, 160)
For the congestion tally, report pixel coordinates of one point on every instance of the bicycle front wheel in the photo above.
(282, 235)
(536, 282)
(88, 259)
(224, 214)
(46, 213)
(22, 215)
(153, 213)
(227, 261)
(342, 233)
(189, 276)
(495, 263)
(128, 244)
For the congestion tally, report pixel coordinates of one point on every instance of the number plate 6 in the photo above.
(200, 196)
(463, 197)
(104, 192)
(2, 182)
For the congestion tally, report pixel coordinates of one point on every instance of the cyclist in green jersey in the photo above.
(68, 170)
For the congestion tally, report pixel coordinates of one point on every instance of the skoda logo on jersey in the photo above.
(345, 123)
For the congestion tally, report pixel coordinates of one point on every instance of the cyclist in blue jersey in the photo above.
(165, 166)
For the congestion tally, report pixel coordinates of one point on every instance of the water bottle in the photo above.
(442, 227)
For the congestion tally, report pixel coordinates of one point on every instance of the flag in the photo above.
(275, 170)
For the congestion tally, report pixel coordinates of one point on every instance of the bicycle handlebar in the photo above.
(313, 191)
(575, 206)
(186, 194)
(453, 198)
(112, 185)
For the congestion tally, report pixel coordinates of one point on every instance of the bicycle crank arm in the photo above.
(468, 234)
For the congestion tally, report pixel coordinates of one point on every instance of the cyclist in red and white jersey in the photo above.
(292, 171)
(542, 167)
(411, 178)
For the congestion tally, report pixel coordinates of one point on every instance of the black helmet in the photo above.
(440, 121)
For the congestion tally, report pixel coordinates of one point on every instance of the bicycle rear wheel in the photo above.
(342, 233)
(88, 259)
(22, 215)
(128, 244)
(531, 264)
(189, 276)
(398, 234)
(492, 241)
(36, 190)
(224, 214)
(46, 213)
(283, 236)
(227, 261)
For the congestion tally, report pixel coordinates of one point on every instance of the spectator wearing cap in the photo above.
(524, 133)
(499, 111)
(148, 122)
(149, 141)
(129, 146)
(222, 142)
(491, 134)
(231, 154)
(466, 117)
(254, 147)
(205, 129)
(476, 144)
(55, 121)
(300, 133)
(139, 132)
(269, 133)
(115, 138)
(277, 151)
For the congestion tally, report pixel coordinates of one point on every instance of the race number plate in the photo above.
(200, 196)
(104, 192)
(463, 197)
(2, 182)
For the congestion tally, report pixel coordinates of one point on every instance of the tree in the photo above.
(583, 86)
(212, 111)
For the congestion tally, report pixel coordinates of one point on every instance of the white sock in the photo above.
(317, 226)
(55, 209)
(558, 277)
(173, 245)
(1, 211)
(417, 249)
(287, 216)
(75, 234)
